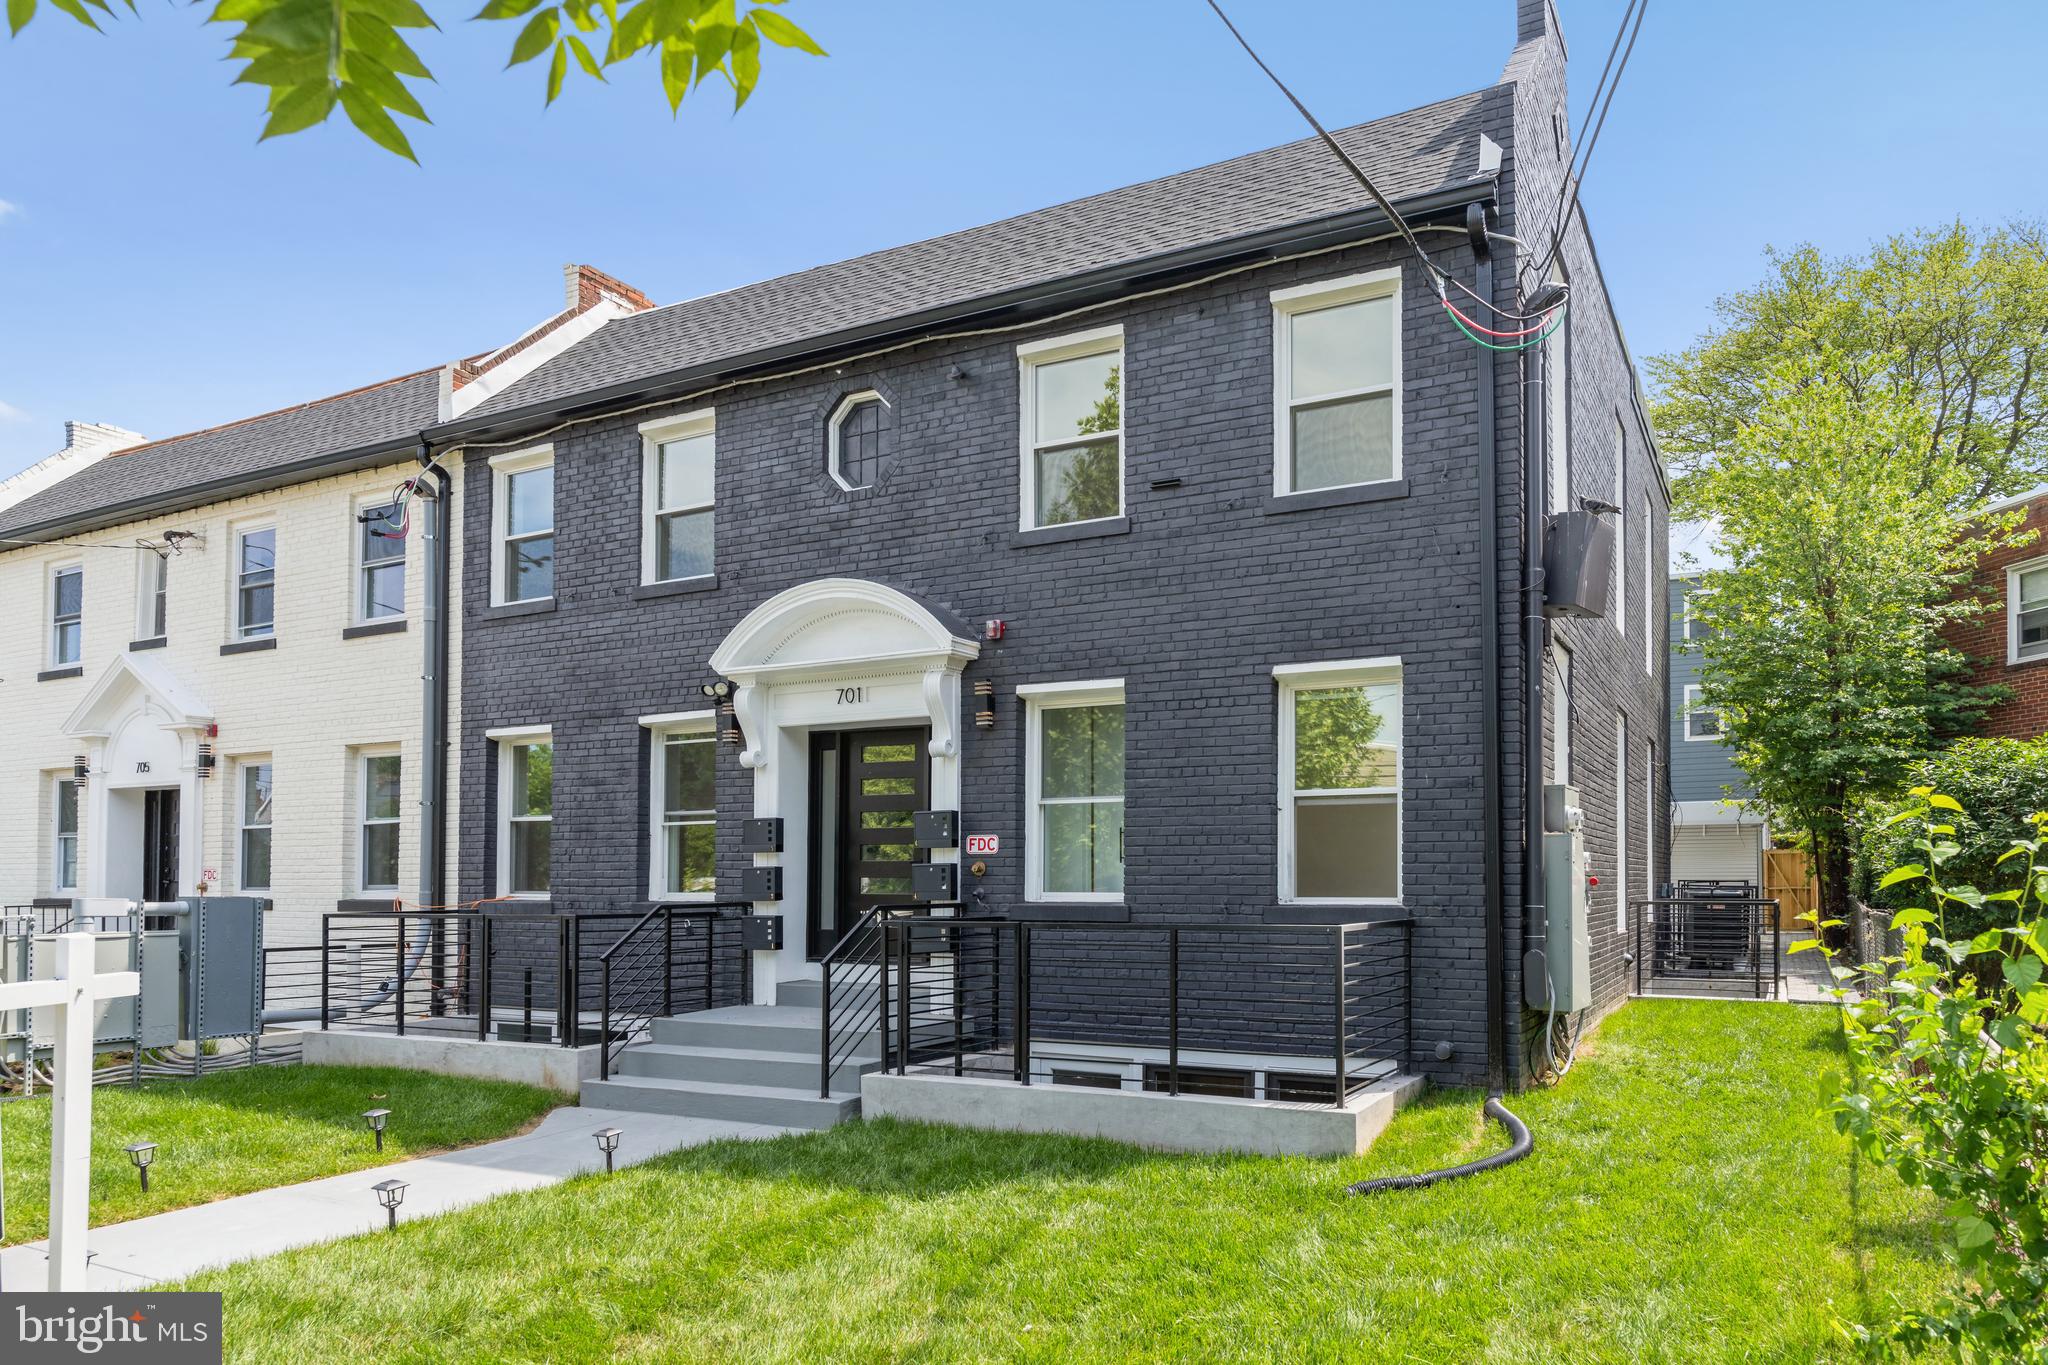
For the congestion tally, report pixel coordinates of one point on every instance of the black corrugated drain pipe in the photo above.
(1478, 222)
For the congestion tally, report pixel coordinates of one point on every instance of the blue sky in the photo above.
(161, 270)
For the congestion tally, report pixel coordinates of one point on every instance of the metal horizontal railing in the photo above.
(1307, 1013)
(1709, 942)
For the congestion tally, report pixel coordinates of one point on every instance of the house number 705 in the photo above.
(849, 696)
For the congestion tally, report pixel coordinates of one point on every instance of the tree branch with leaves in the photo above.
(314, 56)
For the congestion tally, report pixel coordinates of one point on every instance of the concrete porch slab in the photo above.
(1178, 1123)
(543, 1064)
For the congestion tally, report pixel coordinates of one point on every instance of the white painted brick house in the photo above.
(235, 653)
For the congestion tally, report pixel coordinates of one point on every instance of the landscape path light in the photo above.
(375, 1118)
(607, 1142)
(142, 1153)
(390, 1193)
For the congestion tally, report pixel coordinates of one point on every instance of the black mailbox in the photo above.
(761, 933)
(761, 884)
(762, 835)
(936, 828)
(935, 881)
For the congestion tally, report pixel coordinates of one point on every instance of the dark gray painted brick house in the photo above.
(897, 452)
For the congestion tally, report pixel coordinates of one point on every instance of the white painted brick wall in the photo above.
(310, 704)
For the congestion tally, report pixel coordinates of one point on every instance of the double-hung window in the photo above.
(1619, 580)
(1701, 721)
(380, 563)
(1556, 414)
(153, 592)
(1561, 714)
(526, 813)
(256, 583)
(1072, 391)
(67, 614)
(1621, 822)
(64, 843)
(254, 818)
(685, 812)
(2026, 598)
(681, 481)
(380, 782)
(1340, 782)
(523, 542)
(1337, 372)
(1653, 633)
(1074, 791)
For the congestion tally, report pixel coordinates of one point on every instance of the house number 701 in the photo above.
(849, 696)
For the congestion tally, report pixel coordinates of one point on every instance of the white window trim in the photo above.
(2013, 656)
(237, 628)
(1038, 699)
(1620, 613)
(1557, 413)
(680, 426)
(155, 561)
(1031, 355)
(50, 622)
(659, 728)
(1309, 298)
(1621, 867)
(1651, 636)
(1294, 678)
(1559, 676)
(243, 763)
(832, 423)
(1693, 703)
(508, 739)
(58, 782)
(502, 468)
(1650, 820)
(358, 596)
(363, 820)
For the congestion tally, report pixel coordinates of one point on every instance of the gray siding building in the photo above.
(1174, 538)
(1714, 836)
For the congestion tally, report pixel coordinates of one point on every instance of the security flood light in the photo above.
(390, 1193)
(375, 1118)
(142, 1153)
(607, 1142)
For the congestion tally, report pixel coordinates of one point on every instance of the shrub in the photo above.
(1999, 783)
(1948, 1080)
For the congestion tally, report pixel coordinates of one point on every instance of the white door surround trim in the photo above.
(139, 727)
(835, 653)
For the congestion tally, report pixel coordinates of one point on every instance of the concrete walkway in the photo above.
(170, 1246)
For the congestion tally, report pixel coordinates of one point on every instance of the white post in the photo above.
(73, 992)
(71, 1114)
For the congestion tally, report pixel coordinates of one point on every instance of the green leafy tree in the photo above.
(1836, 514)
(1952, 320)
(1999, 782)
(1948, 1082)
(313, 56)
(1334, 732)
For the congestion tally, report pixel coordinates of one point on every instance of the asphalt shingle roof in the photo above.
(395, 411)
(1417, 152)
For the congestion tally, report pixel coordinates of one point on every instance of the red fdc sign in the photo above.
(983, 843)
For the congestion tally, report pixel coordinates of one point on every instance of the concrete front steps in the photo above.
(742, 1063)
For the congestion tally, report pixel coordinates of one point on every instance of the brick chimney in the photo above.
(590, 299)
(85, 443)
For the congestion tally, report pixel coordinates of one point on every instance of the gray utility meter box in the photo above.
(1578, 561)
(221, 938)
(114, 1020)
(1558, 974)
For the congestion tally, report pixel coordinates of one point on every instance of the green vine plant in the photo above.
(1947, 1084)
(314, 56)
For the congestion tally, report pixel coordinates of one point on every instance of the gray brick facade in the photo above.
(1192, 601)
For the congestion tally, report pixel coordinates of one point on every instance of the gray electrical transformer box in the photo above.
(114, 1020)
(1578, 563)
(1558, 974)
(221, 938)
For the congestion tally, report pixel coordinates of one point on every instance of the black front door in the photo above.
(865, 785)
(160, 844)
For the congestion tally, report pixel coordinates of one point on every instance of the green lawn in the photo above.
(237, 1131)
(1684, 1203)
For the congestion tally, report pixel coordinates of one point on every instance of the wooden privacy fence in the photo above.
(1789, 880)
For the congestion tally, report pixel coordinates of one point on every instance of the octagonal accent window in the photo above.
(861, 437)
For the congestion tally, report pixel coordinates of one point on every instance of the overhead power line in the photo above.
(1583, 157)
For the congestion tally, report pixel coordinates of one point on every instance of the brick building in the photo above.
(2008, 643)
